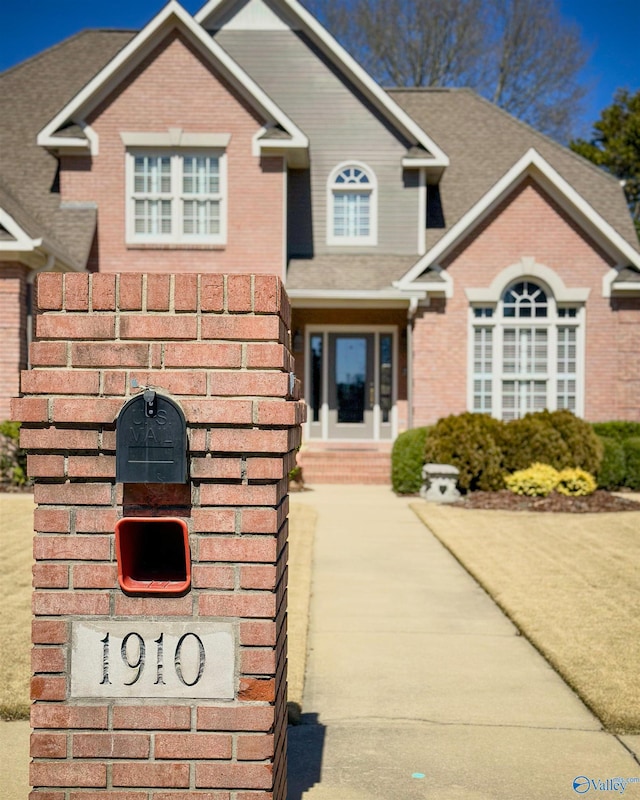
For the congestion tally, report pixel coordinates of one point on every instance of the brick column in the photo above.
(219, 346)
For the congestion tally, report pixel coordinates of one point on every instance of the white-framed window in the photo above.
(176, 196)
(352, 205)
(526, 352)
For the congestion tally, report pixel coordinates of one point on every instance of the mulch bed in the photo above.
(508, 501)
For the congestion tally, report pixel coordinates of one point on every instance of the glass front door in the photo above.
(351, 385)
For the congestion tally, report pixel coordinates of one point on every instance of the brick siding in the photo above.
(528, 224)
(175, 88)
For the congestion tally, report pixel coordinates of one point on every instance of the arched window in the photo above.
(526, 352)
(352, 201)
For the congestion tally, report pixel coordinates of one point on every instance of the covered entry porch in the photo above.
(354, 365)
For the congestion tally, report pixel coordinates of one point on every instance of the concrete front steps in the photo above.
(342, 464)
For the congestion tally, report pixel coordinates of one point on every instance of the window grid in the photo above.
(177, 197)
(482, 370)
(567, 368)
(536, 348)
(352, 212)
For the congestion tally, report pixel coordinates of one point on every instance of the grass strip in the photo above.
(16, 534)
(570, 583)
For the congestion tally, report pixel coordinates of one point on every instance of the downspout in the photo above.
(411, 313)
(46, 267)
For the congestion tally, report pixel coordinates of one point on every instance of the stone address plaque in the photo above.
(153, 659)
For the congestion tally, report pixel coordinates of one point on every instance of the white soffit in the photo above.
(220, 13)
(531, 163)
(171, 16)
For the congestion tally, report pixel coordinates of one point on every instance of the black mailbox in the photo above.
(151, 441)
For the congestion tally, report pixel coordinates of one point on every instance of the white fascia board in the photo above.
(375, 93)
(21, 242)
(131, 55)
(294, 150)
(354, 295)
(420, 163)
(530, 162)
(610, 287)
(627, 286)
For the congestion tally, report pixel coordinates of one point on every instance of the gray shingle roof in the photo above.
(483, 143)
(347, 272)
(31, 94)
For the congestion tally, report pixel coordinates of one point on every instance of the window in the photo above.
(352, 206)
(176, 197)
(525, 353)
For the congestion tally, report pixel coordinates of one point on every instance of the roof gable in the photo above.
(534, 165)
(172, 16)
(283, 14)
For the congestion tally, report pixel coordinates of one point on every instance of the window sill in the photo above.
(175, 246)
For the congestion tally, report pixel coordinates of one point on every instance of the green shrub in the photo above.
(557, 438)
(576, 482)
(632, 455)
(585, 449)
(538, 480)
(407, 460)
(532, 440)
(613, 467)
(472, 443)
(619, 430)
(13, 459)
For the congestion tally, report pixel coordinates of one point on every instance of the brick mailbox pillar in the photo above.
(150, 683)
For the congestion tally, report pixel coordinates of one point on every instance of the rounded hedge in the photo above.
(558, 438)
(407, 460)
(472, 443)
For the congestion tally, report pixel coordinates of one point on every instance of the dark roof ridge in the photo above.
(549, 139)
(63, 43)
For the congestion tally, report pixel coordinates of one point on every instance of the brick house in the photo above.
(440, 255)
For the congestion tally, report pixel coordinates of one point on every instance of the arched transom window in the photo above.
(526, 353)
(352, 208)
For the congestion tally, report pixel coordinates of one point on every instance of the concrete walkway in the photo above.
(417, 686)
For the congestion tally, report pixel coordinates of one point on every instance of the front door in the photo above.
(350, 380)
(351, 385)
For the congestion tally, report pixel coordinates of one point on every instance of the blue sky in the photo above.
(610, 29)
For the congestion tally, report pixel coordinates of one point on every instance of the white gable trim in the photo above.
(21, 241)
(527, 267)
(380, 99)
(531, 163)
(172, 15)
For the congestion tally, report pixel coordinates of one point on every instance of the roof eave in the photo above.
(531, 163)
